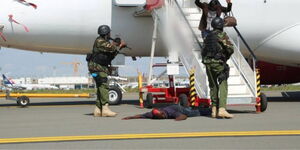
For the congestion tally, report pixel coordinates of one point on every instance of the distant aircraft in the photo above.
(9, 83)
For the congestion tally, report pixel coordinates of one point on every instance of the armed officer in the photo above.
(217, 50)
(99, 61)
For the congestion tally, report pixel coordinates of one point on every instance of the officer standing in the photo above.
(99, 61)
(217, 50)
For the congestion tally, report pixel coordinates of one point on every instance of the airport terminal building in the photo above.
(68, 82)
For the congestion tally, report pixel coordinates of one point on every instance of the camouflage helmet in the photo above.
(217, 23)
(104, 30)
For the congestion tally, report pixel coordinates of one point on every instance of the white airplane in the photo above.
(271, 28)
(9, 83)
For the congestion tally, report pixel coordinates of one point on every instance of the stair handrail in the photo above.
(189, 25)
(202, 88)
(245, 43)
(243, 74)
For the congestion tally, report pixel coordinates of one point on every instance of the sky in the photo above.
(20, 63)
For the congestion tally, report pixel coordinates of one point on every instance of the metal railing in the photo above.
(238, 59)
(186, 48)
(176, 25)
(244, 68)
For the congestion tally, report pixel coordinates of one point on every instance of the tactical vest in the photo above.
(212, 48)
(102, 58)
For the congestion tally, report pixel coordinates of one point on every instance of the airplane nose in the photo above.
(281, 47)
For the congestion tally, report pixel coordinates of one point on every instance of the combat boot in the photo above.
(214, 112)
(106, 112)
(97, 112)
(224, 114)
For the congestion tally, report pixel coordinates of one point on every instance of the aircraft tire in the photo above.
(23, 101)
(115, 95)
(263, 102)
(148, 103)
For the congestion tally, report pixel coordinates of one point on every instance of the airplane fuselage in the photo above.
(70, 26)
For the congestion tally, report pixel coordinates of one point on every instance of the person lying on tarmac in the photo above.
(175, 111)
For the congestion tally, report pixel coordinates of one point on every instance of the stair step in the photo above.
(197, 32)
(240, 95)
(194, 23)
(196, 17)
(240, 100)
(240, 89)
(195, 28)
(234, 72)
(189, 11)
(234, 80)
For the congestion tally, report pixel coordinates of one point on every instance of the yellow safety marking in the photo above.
(193, 93)
(33, 95)
(193, 97)
(192, 71)
(258, 82)
(48, 106)
(193, 88)
(148, 136)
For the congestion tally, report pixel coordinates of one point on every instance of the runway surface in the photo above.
(69, 124)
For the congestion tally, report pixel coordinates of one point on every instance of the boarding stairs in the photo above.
(177, 22)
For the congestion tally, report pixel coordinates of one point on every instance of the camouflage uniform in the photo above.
(217, 69)
(103, 47)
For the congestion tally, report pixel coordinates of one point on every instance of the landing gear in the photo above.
(23, 101)
(115, 92)
(115, 95)
(263, 102)
(149, 101)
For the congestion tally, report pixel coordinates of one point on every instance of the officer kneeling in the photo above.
(99, 62)
(217, 50)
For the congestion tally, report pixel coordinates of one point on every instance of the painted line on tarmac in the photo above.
(149, 136)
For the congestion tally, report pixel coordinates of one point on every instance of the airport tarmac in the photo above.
(69, 124)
